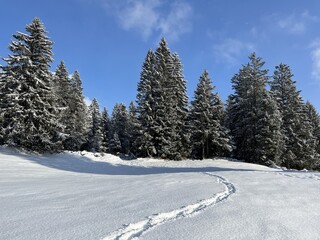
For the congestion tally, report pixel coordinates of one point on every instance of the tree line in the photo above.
(265, 120)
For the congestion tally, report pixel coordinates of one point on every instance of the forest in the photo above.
(264, 120)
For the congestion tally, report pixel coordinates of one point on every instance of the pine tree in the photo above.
(253, 115)
(181, 106)
(165, 98)
(299, 144)
(208, 135)
(29, 116)
(133, 128)
(77, 125)
(115, 144)
(105, 127)
(119, 126)
(162, 106)
(95, 134)
(148, 88)
(62, 94)
(314, 119)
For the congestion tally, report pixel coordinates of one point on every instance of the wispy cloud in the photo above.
(315, 54)
(177, 22)
(170, 19)
(231, 49)
(296, 23)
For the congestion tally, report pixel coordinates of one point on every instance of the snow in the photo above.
(90, 196)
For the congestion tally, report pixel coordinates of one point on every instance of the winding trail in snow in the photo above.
(135, 230)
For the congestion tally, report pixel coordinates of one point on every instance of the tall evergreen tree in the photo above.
(62, 93)
(181, 106)
(314, 119)
(133, 128)
(209, 137)
(95, 134)
(76, 127)
(162, 106)
(165, 98)
(299, 144)
(253, 115)
(29, 116)
(119, 132)
(105, 128)
(148, 88)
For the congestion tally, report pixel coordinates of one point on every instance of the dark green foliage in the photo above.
(27, 101)
(314, 119)
(62, 92)
(119, 130)
(133, 128)
(209, 137)
(95, 134)
(253, 116)
(162, 106)
(105, 129)
(299, 142)
(76, 124)
(148, 88)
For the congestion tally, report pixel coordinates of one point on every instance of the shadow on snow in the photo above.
(82, 164)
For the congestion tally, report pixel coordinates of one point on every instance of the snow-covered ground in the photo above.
(82, 196)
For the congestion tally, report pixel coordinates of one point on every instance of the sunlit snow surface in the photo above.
(82, 196)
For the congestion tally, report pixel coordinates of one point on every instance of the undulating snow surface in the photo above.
(82, 196)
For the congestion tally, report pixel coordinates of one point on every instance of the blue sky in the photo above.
(107, 40)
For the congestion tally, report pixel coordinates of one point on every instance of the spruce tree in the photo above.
(314, 119)
(105, 128)
(77, 124)
(165, 98)
(299, 144)
(253, 115)
(115, 144)
(62, 93)
(133, 128)
(181, 105)
(148, 88)
(29, 115)
(209, 137)
(95, 134)
(162, 106)
(119, 132)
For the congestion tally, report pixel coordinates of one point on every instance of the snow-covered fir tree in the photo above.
(209, 137)
(148, 88)
(27, 100)
(76, 127)
(253, 116)
(181, 105)
(162, 106)
(62, 93)
(314, 119)
(299, 143)
(115, 144)
(133, 128)
(119, 129)
(95, 134)
(105, 128)
(166, 113)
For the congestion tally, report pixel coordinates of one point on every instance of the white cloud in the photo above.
(297, 23)
(231, 49)
(87, 101)
(140, 15)
(169, 19)
(315, 54)
(177, 22)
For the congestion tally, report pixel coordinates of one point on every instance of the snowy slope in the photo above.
(80, 196)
